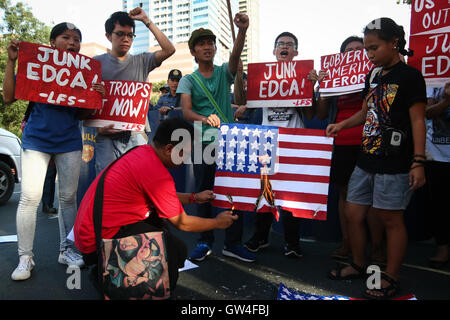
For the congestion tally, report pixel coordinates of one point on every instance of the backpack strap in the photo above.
(210, 97)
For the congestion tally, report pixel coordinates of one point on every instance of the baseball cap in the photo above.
(199, 33)
(175, 74)
(164, 87)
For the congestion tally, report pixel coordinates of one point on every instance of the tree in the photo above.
(17, 22)
(404, 1)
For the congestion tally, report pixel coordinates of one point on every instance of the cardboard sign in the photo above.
(346, 72)
(430, 15)
(54, 76)
(125, 105)
(279, 84)
(431, 57)
(430, 40)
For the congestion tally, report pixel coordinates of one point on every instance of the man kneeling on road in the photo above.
(139, 191)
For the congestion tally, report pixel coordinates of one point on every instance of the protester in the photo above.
(41, 140)
(390, 164)
(118, 64)
(345, 153)
(438, 169)
(169, 106)
(169, 103)
(138, 191)
(197, 107)
(285, 49)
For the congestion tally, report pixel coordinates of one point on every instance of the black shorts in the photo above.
(342, 163)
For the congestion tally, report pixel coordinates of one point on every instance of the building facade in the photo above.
(177, 19)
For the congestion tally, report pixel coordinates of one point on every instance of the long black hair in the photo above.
(388, 30)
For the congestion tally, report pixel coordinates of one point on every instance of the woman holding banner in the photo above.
(390, 165)
(51, 130)
(345, 153)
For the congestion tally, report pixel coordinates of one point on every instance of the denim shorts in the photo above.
(381, 191)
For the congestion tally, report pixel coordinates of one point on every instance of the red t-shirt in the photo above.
(347, 106)
(133, 186)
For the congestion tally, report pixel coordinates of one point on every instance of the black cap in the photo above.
(164, 87)
(200, 33)
(175, 74)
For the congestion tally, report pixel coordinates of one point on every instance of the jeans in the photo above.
(48, 194)
(291, 225)
(107, 150)
(34, 168)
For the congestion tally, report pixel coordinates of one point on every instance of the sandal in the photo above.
(387, 292)
(339, 268)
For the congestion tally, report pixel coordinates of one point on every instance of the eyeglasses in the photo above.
(121, 34)
(281, 44)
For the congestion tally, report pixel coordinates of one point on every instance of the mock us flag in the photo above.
(266, 168)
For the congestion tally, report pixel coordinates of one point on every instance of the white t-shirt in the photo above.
(282, 117)
(438, 131)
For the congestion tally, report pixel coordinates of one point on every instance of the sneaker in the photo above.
(239, 252)
(293, 251)
(255, 244)
(200, 252)
(23, 270)
(71, 258)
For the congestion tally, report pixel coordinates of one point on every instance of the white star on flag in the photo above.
(268, 134)
(231, 154)
(232, 143)
(245, 132)
(235, 131)
(243, 144)
(256, 133)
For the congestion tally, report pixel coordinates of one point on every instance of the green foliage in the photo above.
(154, 99)
(17, 22)
(404, 1)
(157, 85)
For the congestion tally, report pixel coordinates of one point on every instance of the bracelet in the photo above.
(419, 156)
(148, 23)
(419, 165)
(192, 198)
(418, 161)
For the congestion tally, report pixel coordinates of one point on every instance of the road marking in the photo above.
(426, 269)
(11, 238)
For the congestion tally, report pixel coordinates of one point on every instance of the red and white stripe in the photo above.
(300, 182)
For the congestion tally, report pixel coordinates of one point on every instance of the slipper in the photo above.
(339, 268)
(387, 292)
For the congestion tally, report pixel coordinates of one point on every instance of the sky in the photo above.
(320, 25)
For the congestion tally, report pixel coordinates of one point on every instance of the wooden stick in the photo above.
(230, 14)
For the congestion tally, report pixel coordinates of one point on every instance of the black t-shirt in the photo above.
(389, 98)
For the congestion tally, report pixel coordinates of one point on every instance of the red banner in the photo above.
(431, 55)
(428, 15)
(125, 105)
(430, 40)
(346, 72)
(279, 84)
(53, 76)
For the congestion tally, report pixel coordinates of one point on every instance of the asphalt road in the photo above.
(218, 278)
